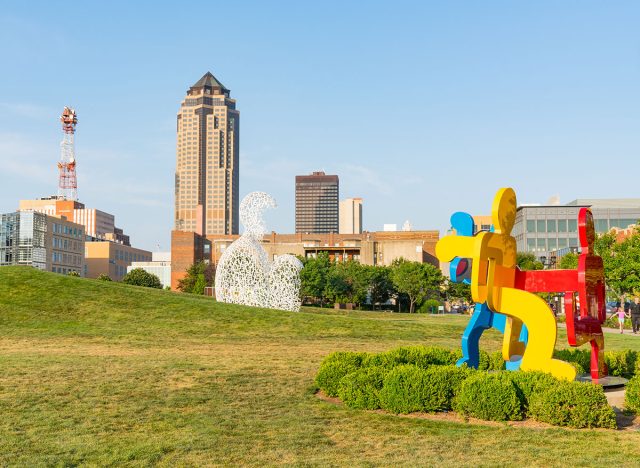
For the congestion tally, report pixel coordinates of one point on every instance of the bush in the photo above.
(531, 383)
(632, 395)
(73, 273)
(104, 277)
(621, 363)
(140, 277)
(493, 361)
(409, 388)
(421, 356)
(489, 396)
(573, 404)
(360, 389)
(430, 306)
(334, 367)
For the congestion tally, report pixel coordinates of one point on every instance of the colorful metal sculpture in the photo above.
(493, 276)
(482, 318)
(587, 283)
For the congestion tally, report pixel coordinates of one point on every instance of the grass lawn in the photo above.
(103, 373)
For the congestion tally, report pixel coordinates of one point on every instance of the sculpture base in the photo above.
(609, 382)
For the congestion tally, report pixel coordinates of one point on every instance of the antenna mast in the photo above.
(67, 183)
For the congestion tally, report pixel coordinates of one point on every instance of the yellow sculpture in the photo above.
(493, 255)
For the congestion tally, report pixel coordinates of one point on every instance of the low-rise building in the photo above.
(111, 258)
(43, 241)
(160, 265)
(369, 248)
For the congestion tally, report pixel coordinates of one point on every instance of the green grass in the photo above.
(103, 373)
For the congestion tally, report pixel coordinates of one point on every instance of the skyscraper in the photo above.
(207, 164)
(351, 216)
(317, 203)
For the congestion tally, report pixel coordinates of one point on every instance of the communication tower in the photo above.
(67, 183)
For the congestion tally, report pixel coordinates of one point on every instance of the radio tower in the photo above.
(67, 184)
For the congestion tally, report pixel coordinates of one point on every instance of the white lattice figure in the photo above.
(244, 274)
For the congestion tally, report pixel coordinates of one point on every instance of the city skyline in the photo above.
(465, 87)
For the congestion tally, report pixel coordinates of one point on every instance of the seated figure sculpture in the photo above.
(244, 274)
(493, 276)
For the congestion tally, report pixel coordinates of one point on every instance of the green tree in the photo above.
(199, 275)
(381, 287)
(528, 261)
(140, 277)
(313, 277)
(569, 261)
(458, 291)
(417, 280)
(347, 282)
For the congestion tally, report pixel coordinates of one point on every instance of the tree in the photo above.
(569, 261)
(140, 277)
(313, 277)
(347, 282)
(528, 261)
(381, 287)
(199, 275)
(417, 280)
(458, 291)
(621, 262)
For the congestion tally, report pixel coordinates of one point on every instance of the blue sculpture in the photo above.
(483, 318)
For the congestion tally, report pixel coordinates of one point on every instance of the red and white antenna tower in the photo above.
(68, 184)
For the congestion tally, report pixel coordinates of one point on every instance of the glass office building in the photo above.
(553, 229)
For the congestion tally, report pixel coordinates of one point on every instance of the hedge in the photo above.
(492, 397)
(632, 395)
(573, 404)
(361, 389)
(421, 356)
(530, 383)
(334, 367)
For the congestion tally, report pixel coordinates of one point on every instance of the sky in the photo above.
(422, 108)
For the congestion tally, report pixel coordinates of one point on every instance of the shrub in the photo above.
(104, 277)
(421, 356)
(360, 389)
(621, 363)
(573, 404)
(140, 277)
(334, 367)
(430, 306)
(73, 273)
(489, 396)
(632, 395)
(493, 361)
(409, 388)
(531, 383)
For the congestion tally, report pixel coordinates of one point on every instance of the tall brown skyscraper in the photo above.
(317, 203)
(207, 168)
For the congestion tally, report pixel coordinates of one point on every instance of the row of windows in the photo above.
(62, 257)
(64, 270)
(546, 245)
(64, 229)
(66, 244)
(127, 256)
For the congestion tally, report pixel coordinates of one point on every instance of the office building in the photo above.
(207, 160)
(552, 230)
(160, 265)
(317, 203)
(42, 241)
(97, 224)
(350, 216)
(103, 257)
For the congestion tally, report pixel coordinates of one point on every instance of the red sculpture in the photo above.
(584, 322)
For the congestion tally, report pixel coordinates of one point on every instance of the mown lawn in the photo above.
(109, 374)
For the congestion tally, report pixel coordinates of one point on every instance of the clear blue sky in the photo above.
(421, 108)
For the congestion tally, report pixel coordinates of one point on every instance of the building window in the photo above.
(551, 225)
(531, 225)
(562, 225)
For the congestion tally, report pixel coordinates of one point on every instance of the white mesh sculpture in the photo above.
(244, 274)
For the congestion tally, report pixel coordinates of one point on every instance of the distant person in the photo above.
(634, 309)
(621, 316)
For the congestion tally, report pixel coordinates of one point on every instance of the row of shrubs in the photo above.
(418, 378)
(620, 363)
